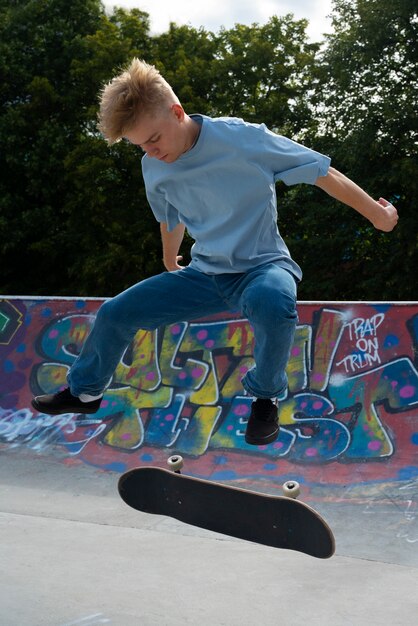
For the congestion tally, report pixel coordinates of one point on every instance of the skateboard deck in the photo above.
(277, 521)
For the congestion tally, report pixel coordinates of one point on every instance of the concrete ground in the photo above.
(72, 553)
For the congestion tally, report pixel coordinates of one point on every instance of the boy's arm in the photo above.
(171, 245)
(382, 214)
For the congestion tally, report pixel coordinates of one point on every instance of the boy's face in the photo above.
(164, 136)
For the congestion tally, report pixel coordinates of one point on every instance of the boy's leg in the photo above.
(268, 300)
(269, 303)
(157, 301)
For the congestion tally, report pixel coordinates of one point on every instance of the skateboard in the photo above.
(277, 521)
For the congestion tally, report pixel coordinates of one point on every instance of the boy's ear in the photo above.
(178, 111)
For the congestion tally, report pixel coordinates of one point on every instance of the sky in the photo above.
(212, 14)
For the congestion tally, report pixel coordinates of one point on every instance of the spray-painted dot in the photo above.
(104, 404)
(394, 384)
(197, 372)
(243, 369)
(295, 351)
(407, 392)
(374, 445)
(318, 378)
(318, 405)
(53, 334)
(311, 452)
(229, 428)
(278, 445)
(391, 341)
(126, 436)
(202, 334)
(209, 343)
(176, 329)
(169, 417)
(241, 409)
(182, 375)
(150, 376)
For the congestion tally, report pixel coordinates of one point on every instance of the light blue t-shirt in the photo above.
(223, 191)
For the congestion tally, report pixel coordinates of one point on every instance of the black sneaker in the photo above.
(64, 402)
(263, 423)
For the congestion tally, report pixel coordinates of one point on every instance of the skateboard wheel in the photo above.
(175, 462)
(291, 489)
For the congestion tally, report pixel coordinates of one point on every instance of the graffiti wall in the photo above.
(350, 415)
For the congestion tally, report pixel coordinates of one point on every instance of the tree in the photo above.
(366, 105)
(55, 55)
(263, 73)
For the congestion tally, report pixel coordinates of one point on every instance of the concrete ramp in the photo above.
(73, 553)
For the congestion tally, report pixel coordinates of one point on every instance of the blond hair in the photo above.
(139, 90)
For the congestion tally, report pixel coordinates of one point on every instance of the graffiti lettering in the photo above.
(350, 370)
(366, 347)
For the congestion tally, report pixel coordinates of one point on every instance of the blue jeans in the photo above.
(265, 295)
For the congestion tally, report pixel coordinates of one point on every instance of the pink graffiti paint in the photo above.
(241, 409)
(197, 372)
(202, 334)
(311, 452)
(374, 445)
(408, 391)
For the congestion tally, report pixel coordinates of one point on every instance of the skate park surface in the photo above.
(73, 553)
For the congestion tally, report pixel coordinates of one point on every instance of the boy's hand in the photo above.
(174, 265)
(387, 218)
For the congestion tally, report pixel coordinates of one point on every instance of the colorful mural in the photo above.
(350, 416)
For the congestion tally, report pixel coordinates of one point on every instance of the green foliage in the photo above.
(73, 213)
(53, 217)
(366, 104)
